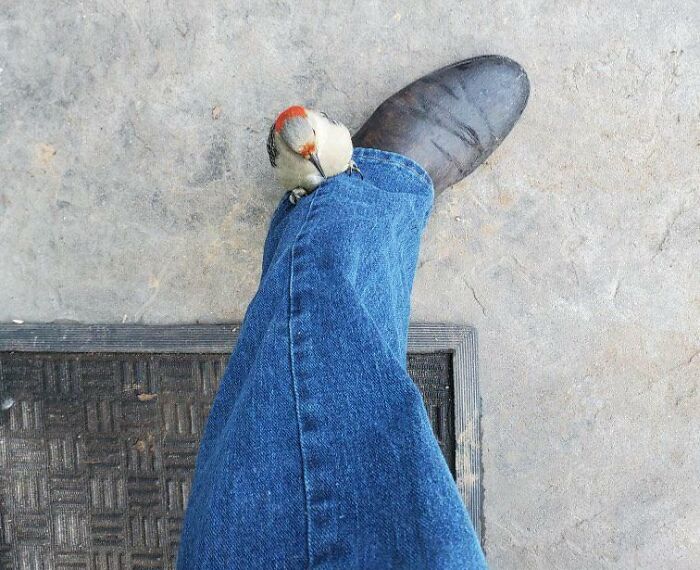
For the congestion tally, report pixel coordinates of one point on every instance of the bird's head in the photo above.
(295, 129)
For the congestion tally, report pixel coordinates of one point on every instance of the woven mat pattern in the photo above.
(97, 452)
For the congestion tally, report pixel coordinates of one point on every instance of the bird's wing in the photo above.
(272, 151)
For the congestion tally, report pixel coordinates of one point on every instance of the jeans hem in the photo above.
(403, 163)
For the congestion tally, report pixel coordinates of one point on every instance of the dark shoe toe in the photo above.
(497, 89)
(451, 120)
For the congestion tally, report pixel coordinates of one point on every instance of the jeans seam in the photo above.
(295, 387)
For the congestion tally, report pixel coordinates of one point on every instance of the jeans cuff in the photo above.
(421, 182)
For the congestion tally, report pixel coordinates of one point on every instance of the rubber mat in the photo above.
(97, 452)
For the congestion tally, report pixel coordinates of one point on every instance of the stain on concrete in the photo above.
(45, 153)
(216, 163)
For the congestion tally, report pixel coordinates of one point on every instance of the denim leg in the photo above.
(318, 452)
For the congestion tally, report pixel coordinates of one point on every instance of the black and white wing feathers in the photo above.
(272, 151)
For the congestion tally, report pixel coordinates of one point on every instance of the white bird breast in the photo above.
(334, 150)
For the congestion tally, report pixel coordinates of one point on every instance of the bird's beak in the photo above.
(313, 157)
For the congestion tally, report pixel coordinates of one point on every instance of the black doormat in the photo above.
(100, 425)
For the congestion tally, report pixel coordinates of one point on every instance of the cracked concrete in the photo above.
(135, 188)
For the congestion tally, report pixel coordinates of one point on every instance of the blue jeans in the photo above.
(318, 452)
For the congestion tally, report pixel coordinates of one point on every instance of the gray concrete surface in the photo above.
(134, 188)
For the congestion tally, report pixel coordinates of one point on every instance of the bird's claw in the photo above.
(296, 194)
(352, 167)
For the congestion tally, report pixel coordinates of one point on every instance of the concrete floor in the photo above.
(134, 187)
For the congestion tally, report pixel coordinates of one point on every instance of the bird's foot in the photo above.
(296, 194)
(352, 167)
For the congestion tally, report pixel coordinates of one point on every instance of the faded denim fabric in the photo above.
(318, 451)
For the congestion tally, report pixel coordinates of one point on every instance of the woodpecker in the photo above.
(306, 148)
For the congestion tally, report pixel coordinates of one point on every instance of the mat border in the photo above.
(460, 340)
